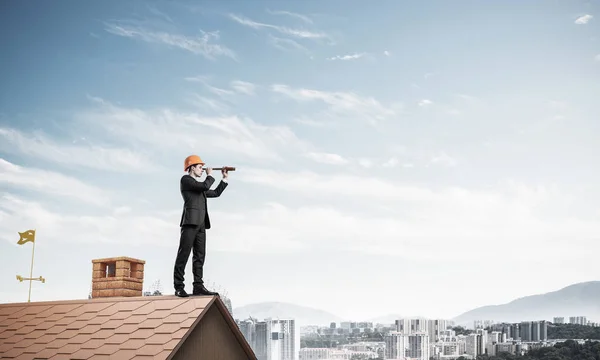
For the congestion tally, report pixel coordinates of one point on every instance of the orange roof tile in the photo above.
(122, 328)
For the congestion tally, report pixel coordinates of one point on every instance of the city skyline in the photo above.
(387, 156)
(408, 338)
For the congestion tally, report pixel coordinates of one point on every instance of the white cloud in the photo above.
(157, 229)
(392, 162)
(200, 78)
(421, 223)
(203, 45)
(304, 120)
(366, 163)
(584, 19)
(220, 92)
(425, 102)
(298, 33)
(243, 87)
(304, 18)
(48, 182)
(327, 158)
(387, 53)
(345, 104)
(122, 210)
(597, 57)
(444, 159)
(467, 98)
(167, 129)
(558, 105)
(453, 221)
(287, 44)
(91, 156)
(347, 57)
(337, 184)
(208, 104)
(83, 227)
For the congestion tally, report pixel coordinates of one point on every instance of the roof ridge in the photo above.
(102, 300)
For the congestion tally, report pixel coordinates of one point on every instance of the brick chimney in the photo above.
(118, 276)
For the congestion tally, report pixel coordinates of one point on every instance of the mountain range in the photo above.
(303, 315)
(582, 299)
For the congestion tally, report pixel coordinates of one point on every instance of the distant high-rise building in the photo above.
(409, 326)
(403, 346)
(435, 329)
(505, 329)
(559, 320)
(515, 332)
(418, 346)
(482, 341)
(525, 331)
(535, 331)
(495, 337)
(277, 339)
(543, 330)
(472, 345)
(348, 325)
(579, 320)
(248, 329)
(395, 346)
(261, 340)
(482, 324)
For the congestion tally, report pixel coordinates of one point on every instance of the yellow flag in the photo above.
(26, 236)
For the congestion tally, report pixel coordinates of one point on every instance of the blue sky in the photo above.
(430, 149)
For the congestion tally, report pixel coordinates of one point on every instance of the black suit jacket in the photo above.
(195, 193)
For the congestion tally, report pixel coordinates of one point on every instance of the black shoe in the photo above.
(201, 290)
(181, 293)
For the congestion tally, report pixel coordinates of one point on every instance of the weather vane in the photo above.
(25, 237)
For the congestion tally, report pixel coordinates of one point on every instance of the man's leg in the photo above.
(186, 242)
(198, 257)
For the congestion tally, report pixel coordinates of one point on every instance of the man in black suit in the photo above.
(194, 223)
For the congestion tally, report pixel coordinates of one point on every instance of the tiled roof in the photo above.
(116, 328)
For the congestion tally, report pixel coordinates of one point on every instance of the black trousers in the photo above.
(193, 237)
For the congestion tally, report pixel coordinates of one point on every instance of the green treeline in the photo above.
(573, 331)
(568, 350)
(459, 330)
(332, 341)
(556, 331)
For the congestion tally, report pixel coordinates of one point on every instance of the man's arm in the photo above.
(218, 191)
(188, 183)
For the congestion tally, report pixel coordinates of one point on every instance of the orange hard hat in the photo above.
(192, 160)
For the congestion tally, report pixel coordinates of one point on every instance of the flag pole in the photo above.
(31, 269)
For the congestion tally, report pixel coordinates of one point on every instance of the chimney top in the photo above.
(117, 277)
